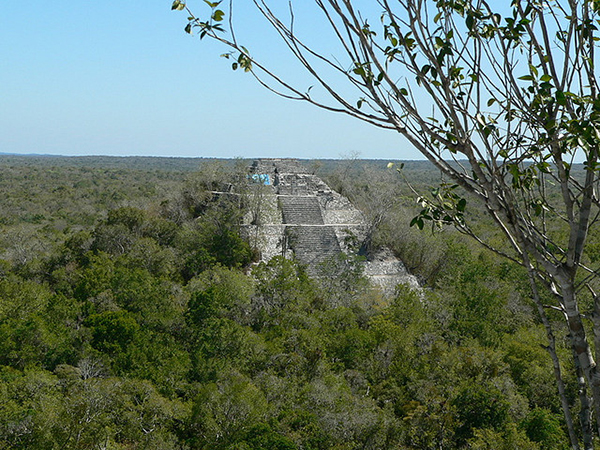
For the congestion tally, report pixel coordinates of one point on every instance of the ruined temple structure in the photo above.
(293, 212)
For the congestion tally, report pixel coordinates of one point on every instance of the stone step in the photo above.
(293, 190)
(299, 184)
(301, 210)
(313, 245)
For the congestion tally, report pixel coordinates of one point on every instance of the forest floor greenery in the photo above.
(134, 316)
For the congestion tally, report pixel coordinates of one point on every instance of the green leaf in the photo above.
(533, 69)
(218, 15)
(526, 78)
(359, 71)
(491, 101)
(177, 5)
(188, 28)
(470, 21)
(418, 221)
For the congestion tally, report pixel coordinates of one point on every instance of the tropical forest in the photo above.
(134, 314)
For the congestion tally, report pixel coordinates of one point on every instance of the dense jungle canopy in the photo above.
(132, 316)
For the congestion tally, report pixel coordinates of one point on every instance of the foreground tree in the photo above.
(502, 102)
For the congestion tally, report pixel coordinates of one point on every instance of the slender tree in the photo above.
(502, 102)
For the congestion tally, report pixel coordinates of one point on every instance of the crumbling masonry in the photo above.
(295, 212)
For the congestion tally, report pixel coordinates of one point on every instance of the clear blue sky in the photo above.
(122, 78)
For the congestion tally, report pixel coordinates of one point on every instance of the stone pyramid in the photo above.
(294, 212)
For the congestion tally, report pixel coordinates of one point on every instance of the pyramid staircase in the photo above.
(311, 240)
(316, 223)
(301, 210)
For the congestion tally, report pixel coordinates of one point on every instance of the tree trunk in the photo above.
(584, 361)
(552, 351)
(584, 410)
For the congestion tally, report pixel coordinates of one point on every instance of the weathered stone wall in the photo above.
(338, 210)
(302, 216)
(269, 239)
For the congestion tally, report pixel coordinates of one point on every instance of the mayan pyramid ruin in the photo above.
(294, 212)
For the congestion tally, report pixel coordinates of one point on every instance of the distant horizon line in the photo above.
(341, 158)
